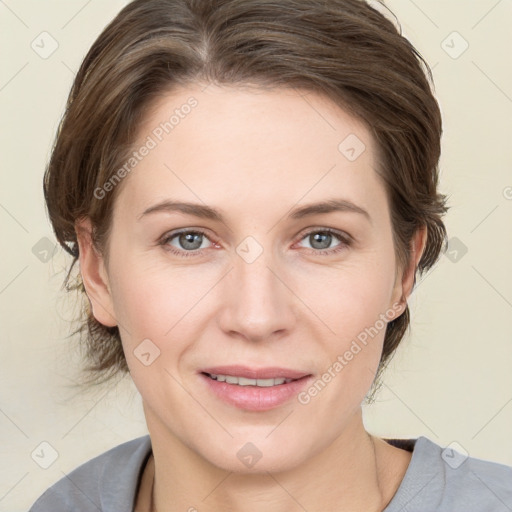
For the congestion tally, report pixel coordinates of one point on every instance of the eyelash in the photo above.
(346, 242)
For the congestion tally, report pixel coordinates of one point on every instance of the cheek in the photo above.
(358, 318)
(354, 304)
(155, 332)
(348, 299)
(139, 307)
(157, 301)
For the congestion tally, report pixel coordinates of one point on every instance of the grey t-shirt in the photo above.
(437, 480)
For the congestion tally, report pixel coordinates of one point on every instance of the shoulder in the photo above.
(475, 483)
(106, 483)
(447, 479)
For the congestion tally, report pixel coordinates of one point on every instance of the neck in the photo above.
(346, 475)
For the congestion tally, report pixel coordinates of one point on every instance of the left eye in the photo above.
(320, 240)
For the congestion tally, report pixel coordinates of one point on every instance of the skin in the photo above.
(254, 155)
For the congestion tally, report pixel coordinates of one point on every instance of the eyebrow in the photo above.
(207, 212)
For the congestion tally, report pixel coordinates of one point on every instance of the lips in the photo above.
(255, 398)
(255, 373)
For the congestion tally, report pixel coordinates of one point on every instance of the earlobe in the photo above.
(94, 275)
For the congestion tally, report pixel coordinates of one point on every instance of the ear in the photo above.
(405, 277)
(94, 275)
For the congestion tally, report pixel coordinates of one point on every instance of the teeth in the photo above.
(243, 381)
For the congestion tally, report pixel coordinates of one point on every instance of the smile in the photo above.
(256, 395)
(243, 381)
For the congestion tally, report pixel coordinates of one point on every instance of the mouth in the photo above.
(245, 381)
(254, 389)
(246, 372)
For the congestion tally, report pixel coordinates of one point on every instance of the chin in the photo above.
(253, 458)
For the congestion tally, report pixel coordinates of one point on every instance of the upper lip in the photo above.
(255, 373)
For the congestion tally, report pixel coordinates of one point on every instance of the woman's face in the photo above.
(269, 281)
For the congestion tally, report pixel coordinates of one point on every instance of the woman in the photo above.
(250, 188)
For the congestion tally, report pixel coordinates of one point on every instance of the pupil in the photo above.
(326, 236)
(187, 240)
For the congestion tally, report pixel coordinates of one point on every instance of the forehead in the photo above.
(284, 114)
(250, 146)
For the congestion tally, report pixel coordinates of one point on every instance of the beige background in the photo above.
(451, 380)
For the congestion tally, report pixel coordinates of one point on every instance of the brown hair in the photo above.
(346, 50)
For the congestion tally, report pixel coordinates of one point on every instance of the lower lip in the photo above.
(255, 398)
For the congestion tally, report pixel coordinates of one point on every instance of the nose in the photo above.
(257, 300)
